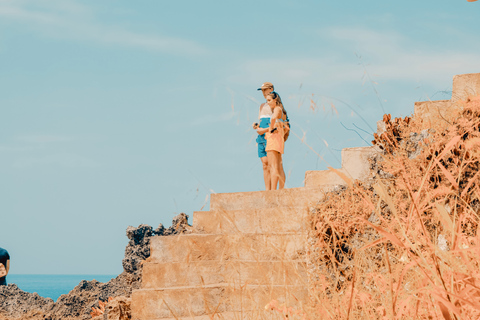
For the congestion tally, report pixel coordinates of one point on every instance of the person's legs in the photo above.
(273, 170)
(266, 172)
(281, 181)
(274, 162)
(262, 154)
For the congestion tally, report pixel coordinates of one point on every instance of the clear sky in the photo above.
(118, 113)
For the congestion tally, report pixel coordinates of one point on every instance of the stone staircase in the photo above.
(250, 247)
(246, 251)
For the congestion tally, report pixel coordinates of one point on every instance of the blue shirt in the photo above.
(4, 257)
(264, 123)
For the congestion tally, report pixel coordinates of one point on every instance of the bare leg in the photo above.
(281, 181)
(266, 173)
(274, 162)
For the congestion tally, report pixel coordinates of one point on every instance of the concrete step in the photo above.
(200, 273)
(281, 219)
(323, 178)
(355, 161)
(294, 197)
(245, 315)
(220, 247)
(434, 114)
(437, 113)
(465, 85)
(149, 304)
(355, 166)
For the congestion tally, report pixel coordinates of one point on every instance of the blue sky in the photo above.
(118, 113)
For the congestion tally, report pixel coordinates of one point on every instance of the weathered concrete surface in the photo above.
(324, 177)
(243, 315)
(195, 301)
(465, 85)
(199, 273)
(438, 113)
(355, 161)
(355, 166)
(294, 197)
(222, 247)
(435, 113)
(280, 219)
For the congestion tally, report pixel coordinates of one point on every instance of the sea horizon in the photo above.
(53, 285)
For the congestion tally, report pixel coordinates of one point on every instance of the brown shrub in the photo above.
(405, 246)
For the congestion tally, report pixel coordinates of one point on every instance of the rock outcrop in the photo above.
(14, 302)
(138, 248)
(117, 308)
(78, 303)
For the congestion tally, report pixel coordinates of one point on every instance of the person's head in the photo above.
(273, 99)
(266, 88)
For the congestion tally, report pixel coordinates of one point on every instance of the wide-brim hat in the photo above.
(266, 85)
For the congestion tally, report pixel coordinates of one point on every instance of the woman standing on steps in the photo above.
(276, 140)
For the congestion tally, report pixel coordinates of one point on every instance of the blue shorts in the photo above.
(261, 150)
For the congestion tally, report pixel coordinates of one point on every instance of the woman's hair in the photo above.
(275, 96)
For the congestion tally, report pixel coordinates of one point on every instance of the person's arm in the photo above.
(3, 271)
(261, 131)
(8, 265)
(277, 113)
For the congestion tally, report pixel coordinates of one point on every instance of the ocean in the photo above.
(52, 285)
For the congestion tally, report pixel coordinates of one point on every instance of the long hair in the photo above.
(275, 96)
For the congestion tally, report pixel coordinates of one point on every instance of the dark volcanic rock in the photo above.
(138, 248)
(78, 303)
(160, 230)
(16, 302)
(138, 235)
(179, 225)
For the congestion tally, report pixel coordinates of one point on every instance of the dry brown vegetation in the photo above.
(405, 246)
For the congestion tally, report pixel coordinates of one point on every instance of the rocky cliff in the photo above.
(78, 303)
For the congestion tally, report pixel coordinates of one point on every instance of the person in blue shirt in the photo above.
(264, 115)
(4, 266)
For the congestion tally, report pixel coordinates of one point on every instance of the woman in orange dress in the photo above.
(275, 140)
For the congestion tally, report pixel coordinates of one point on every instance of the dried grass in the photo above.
(406, 245)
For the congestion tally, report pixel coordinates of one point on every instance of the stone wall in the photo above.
(437, 113)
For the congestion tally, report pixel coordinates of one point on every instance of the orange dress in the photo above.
(275, 140)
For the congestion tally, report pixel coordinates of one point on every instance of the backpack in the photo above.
(287, 121)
